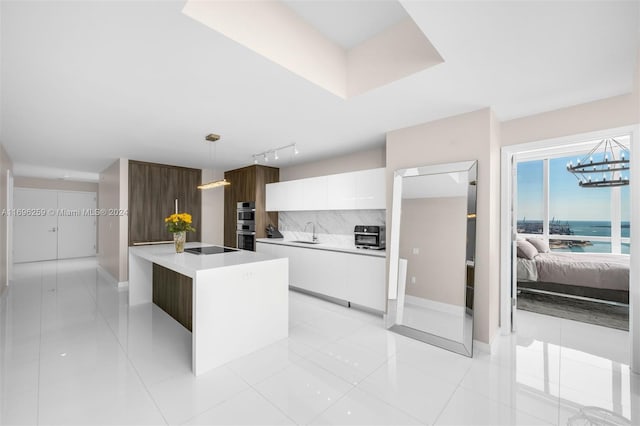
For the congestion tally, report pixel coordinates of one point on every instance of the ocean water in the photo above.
(584, 229)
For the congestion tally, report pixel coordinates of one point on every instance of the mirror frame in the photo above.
(466, 346)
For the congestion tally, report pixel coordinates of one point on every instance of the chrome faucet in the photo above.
(314, 237)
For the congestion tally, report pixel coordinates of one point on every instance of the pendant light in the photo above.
(216, 183)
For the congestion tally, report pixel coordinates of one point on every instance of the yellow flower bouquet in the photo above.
(179, 222)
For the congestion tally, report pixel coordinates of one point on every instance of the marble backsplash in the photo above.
(332, 227)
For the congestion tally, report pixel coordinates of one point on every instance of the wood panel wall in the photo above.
(173, 293)
(153, 189)
(248, 184)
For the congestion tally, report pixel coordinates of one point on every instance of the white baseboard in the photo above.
(487, 348)
(110, 278)
(433, 305)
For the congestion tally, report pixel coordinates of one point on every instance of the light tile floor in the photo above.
(72, 352)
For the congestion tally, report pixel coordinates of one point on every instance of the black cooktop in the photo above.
(209, 250)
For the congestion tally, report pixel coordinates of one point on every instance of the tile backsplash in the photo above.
(333, 226)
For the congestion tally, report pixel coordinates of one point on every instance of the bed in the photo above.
(595, 275)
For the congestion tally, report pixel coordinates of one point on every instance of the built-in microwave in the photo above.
(369, 237)
(246, 211)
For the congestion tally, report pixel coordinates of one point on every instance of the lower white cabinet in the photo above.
(356, 278)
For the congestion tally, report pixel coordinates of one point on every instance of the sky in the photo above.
(567, 200)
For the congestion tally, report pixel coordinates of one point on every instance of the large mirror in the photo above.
(432, 255)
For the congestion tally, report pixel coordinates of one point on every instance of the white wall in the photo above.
(59, 184)
(608, 113)
(471, 136)
(360, 160)
(113, 231)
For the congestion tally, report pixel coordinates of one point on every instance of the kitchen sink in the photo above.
(306, 242)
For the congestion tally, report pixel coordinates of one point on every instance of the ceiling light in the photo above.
(216, 183)
(274, 151)
(606, 163)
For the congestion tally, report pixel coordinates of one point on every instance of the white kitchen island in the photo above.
(239, 302)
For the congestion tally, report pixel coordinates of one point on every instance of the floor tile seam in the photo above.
(225, 399)
(499, 403)
(561, 332)
(333, 339)
(280, 370)
(300, 362)
(40, 347)
(623, 366)
(132, 365)
(427, 373)
(383, 363)
(252, 387)
(498, 400)
(371, 396)
(600, 400)
(402, 410)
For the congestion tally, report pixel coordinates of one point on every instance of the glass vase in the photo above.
(179, 239)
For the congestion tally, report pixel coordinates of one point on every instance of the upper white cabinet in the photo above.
(371, 189)
(365, 189)
(301, 194)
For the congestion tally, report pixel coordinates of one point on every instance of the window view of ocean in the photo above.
(581, 229)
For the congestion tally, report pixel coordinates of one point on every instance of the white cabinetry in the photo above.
(356, 278)
(359, 190)
(371, 189)
(301, 194)
(341, 191)
(366, 281)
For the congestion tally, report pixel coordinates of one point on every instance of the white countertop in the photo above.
(322, 246)
(188, 263)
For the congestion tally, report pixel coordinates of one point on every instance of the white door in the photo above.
(35, 235)
(76, 227)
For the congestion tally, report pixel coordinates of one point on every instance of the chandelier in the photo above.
(606, 169)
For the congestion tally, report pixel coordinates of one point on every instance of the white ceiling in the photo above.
(347, 22)
(84, 83)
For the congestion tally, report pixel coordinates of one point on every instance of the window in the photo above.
(550, 202)
(530, 197)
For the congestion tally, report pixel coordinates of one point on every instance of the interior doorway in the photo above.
(52, 224)
(509, 223)
(572, 231)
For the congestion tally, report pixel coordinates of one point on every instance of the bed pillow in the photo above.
(541, 245)
(526, 249)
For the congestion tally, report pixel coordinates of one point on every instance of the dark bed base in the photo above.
(618, 296)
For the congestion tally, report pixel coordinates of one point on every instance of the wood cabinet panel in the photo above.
(248, 184)
(153, 189)
(173, 293)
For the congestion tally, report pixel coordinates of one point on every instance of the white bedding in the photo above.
(527, 270)
(597, 270)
